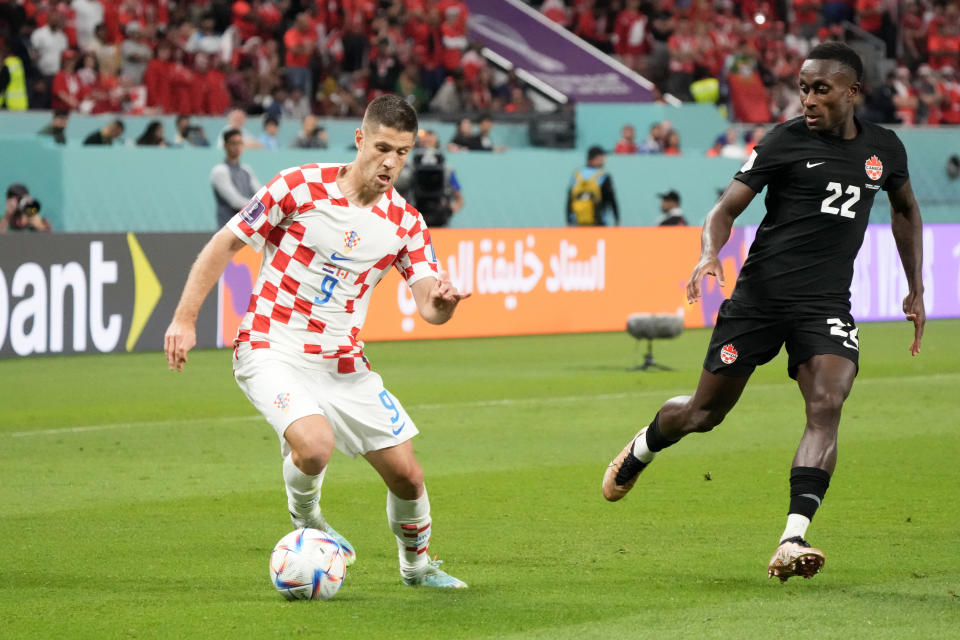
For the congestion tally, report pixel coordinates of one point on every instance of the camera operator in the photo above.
(429, 184)
(22, 211)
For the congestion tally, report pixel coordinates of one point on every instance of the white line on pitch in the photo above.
(655, 393)
(127, 425)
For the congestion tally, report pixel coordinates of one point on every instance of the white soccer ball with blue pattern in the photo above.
(307, 564)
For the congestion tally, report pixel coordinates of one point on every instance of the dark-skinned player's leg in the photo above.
(715, 396)
(825, 382)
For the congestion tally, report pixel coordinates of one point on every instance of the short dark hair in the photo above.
(17, 190)
(229, 133)
(119, 123)
(670, 195)
(840, 52)
(61, 113)
(271, 120)
(595, 151)
(392, 111)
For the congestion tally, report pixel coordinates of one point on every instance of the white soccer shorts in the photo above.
(363, 414)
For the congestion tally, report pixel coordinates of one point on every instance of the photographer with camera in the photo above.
(429, 184)
(22, 211)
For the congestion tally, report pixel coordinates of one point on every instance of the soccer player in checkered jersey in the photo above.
(821, 171)
(328, 234)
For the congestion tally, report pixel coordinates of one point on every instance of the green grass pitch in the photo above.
(140, 503)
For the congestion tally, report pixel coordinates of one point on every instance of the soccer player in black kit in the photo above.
(821, 171)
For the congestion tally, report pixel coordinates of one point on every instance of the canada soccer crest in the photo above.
(874, 168)
(728, 354)
(350, 240)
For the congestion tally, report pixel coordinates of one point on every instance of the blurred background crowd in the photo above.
(290, 58)
(745, 54)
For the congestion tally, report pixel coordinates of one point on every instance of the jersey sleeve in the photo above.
(265, 210)
(417, 259)
(899, 173)
(765, 161)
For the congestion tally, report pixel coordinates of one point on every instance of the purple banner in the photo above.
(879, 285)
(558, 58)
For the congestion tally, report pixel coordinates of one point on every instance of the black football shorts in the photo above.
(746, 336)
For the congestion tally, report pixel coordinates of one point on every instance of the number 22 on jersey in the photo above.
(836, 191)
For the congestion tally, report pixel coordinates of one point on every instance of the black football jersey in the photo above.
(819, 193)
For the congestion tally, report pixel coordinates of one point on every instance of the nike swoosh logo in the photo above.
(811, 165)
(397, 431)
(336, 256)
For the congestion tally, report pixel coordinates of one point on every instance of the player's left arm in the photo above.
(436, 299)
(907, 226)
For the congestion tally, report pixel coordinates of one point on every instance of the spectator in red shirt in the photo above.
(671, 146)
(109, 94)
(459, 9)
(684, 52)
(245, 20)
(806, 13)
(630, 35)
(300, 41)
(870, 15)
(949, 88)
(944, 45)
(913, 28)
(217, 97)
(587, 26)
(269, 18)
(181, 84)
(156, 78)
(66, 90)
(904, 96)
(555, 10)
(453, 34)
(627, 142)
(87, 71)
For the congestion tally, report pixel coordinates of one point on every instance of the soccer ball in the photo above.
(307, 564)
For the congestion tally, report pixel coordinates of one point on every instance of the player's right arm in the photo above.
(716, 232)
(181, 335)
(907, 226)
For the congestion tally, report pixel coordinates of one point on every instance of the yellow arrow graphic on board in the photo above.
(147, 291)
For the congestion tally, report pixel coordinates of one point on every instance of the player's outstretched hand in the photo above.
(709, 266)
(445, 296)
(179, 339)
(914, 310)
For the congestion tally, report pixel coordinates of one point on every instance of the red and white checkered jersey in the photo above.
(322, 256)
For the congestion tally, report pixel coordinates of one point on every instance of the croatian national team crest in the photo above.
(282, 402)
(350, 240)
(874, 168)
(728, 354)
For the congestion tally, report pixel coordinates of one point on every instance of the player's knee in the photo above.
(825, 404)
(703, 420)
(408, 482)
(311, 457)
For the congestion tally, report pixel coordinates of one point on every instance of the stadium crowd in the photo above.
(289, 58)
(746, 53)
(281, 57)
